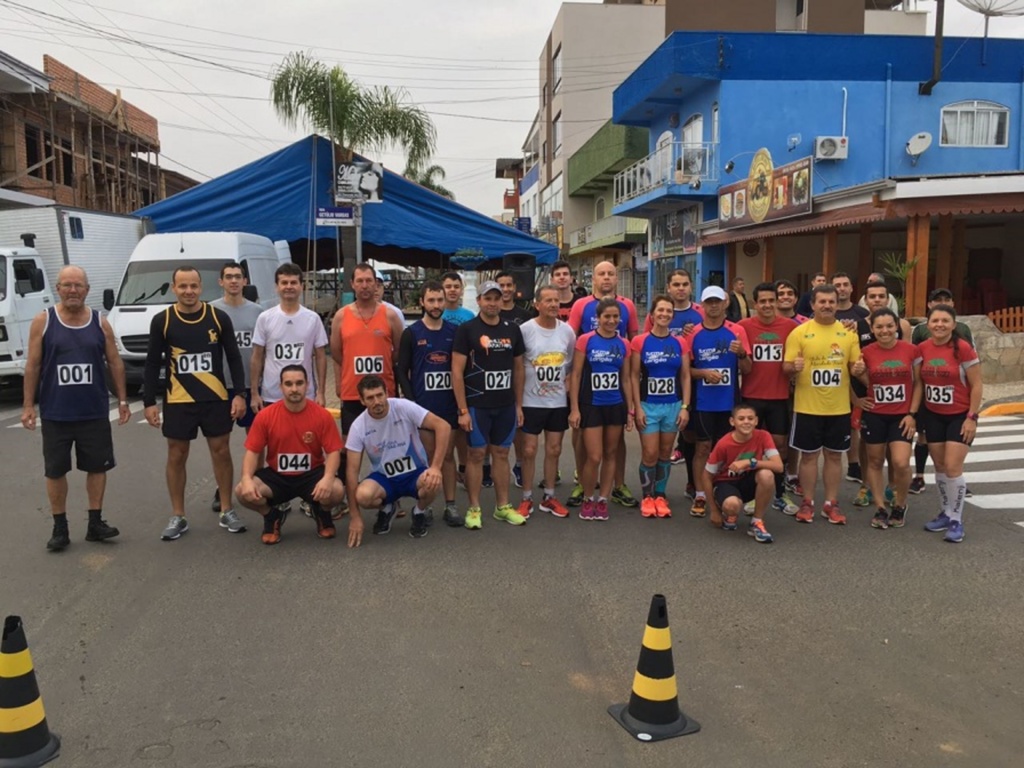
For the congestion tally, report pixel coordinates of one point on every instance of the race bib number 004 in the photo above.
(437, 381)
(937, 395)
(290, 463)
(289, 352)
(767, 353)
(604, 382)
(725, 379)
(665, 386)
(369, 364)
(890, 393)
(71, 374)
(498, 380)
(196, 362)
(826, 377)
(399, 466)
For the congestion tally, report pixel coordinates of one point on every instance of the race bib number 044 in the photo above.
(291, 463)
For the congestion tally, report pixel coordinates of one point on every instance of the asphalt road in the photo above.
(834, 646)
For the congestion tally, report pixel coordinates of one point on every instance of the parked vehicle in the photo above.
(24, 293)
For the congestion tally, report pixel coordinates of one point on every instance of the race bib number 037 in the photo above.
(289, 352)
(294, 462)
(70, 374)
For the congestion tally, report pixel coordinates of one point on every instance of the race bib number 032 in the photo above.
(70, 374)
(196, 362)
(604, 382)
(294, 462)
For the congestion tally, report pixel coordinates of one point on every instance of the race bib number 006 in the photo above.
(604, 382)
(937, 395)
(437, 381)
(197, 362)
(498, 380)
(826, 377)
(665, 386)
(399, 466)
(70, 374)
(767, 353)
(289, 352)
(890, 393)
(369, 364)
(290, 463)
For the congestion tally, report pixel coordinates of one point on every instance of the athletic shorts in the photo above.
(492, 426)
(399, 487)
(711, 425)
(603, 416)
(247, 418)
(537, 420)
(744, 486)
(661, 417)
(811, 433)
(880, 429)
(182, 421)
(773, 416)
(94, 446)
(288, 487)
(350, 411)
(940, 428)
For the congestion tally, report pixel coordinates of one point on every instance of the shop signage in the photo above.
(769, 193)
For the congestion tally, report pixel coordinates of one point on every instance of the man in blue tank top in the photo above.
(71, 349)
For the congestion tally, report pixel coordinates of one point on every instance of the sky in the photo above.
(203, 69)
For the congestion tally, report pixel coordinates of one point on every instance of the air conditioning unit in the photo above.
(831, 147)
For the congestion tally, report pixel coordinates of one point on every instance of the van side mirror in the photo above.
(38, 280)
(250, 293)
(108, 299)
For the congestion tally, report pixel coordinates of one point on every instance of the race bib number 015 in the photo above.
(890, 393)
(498, 380)
(197, 362)
(437, 381)
(604, 382)
(937, 395)
(826, 377)
(399, 466)
(767, 353)
(289, 352)
(294, 462)
(369, 364)
(665, 386)
(724, 381)
(70, 374)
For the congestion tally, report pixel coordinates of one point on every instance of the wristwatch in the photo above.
(463, 411)
(753, 463)
(972, 416)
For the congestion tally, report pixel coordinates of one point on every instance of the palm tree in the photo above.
(430, 177)
(359, 118)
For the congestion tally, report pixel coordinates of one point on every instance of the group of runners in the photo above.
(751, 408)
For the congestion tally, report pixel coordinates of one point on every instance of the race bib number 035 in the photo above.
(604, 382)
(196, 362)
(826, 377)
(399, 466)
(70, 374)
(890, 393)
(294, 462)
(289, 352)
(437, 381)
(498, 380)
(369, 364)
(937, 395)
(665, 386)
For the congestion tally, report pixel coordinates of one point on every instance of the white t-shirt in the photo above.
(547, 362)
(393, 443)
(288, 340)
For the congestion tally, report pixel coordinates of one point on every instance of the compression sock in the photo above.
(646, 481)
(956, 487)
(661, 477)
(780, 484)
(920, 458)
(941, 483)
(95, 515)
(689, 451)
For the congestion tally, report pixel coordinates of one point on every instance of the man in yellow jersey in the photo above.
(819, 355)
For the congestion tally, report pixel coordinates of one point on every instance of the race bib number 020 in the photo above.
(289, 352)
(71, 374)
(937, 395)
(196, 362)
(826, 377)
(399, 466)
(369, 364)
(767, 353)
(665, 386)
(294, 462)
(498, 380)
(604, 382)
(437, 381)
(890, 393)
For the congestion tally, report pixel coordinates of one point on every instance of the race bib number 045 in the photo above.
(70, 374)
(243, 339)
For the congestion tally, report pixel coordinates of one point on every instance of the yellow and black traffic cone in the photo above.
(25, 738)
(653, 713)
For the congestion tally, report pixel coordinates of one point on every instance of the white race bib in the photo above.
(826, 377)
(399, 466)
(293, 463)
(437, 381)
(938, 395)
(72, 374)
(549, 374)
(243, 339)
(369, 364)
(767, 353)
(195, 362)
(604, 382)
(665, 386)
(497, 380)
(890, 393)
(289, 352)
(725, 381)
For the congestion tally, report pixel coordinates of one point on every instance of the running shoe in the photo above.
(662, 507)
(554, 506)
(576, 497)
(507, 513)
(175, 527)
(917, 485)
(699, 508)
(785, 506)
(759, 532)
(880, 520)
(488, 481)
(853, 473)
(231, 521)
(677, 457)
(600, 510)
(967, 492)
(385, 515)
(587, 510)
(305, 509)
(284, 509)
(59, 539)
(890, 496)
(955, 532)
(100, 531)
(897, 517)
(806, 512)
(558, 480)
(864, 497)
(622, 496)
(648, 508)
(830, 512)
(939, 523)
(790, 484)
(691, 491)
(525, 508)
(749, 507)
(419, 525)
(215, 504)
(324, 523)
(452, 516)
(474, 519)
(517, 475)
(729, 523)
(272, 523)
(340, 510)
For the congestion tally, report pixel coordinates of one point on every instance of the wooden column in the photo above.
(830, 253)
(768, 265)
(944, 257)
(918, 233)
(730, 264)
(958, 258)
(865, 256)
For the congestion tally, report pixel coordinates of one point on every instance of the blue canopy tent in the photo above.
(277, 196)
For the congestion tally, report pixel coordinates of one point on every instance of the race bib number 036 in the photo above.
(767, 353)
(498, 380)
(724, 381)
(937, 395)
(196, 362)
(294, 462)
(399, 466)
(289, 352)
(369, 364)
(826, 377)
(437, 381)
(604, 382)
(666, 386)
(890, 393)
(70, 374)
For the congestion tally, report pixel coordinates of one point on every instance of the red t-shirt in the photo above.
(766, 380)
(945, 377)
(295, 442)
(727, 450)
(891, 372)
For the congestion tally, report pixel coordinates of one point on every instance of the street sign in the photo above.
(361, 180)
(340, 216)
(524, 224)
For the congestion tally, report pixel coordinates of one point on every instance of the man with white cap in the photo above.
(719, 353)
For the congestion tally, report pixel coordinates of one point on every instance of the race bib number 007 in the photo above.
(437, 381)
(70, 374)
(197, 362)
(604, 382)
(399, 466)
(890, 393)
(294, 462)
(498, 380)
(664, 386)
(826, 377)
(937, 395)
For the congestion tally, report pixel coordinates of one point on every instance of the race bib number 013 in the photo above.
(71, 374)
(399, 466)
(724, 381)
(498, 380)
(290, 463)
(196, 362)
(604, 382)
(665, 386)
(767, 353)
(289, 352)
(937, 395)
(826, 377)
(369, 364)
(437, 381)
(890, 393)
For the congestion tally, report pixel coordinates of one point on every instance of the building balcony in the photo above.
(612, 148)
(511, 201)
(609, 232)
(673, 172)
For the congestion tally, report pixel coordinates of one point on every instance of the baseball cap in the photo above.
(489, 286)
(712, 292)
(379, 275)
(939, 292)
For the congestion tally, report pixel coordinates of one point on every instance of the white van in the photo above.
(145, 288)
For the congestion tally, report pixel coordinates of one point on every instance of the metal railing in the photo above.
(609, 226)
(678, 163)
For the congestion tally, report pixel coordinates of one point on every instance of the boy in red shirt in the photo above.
(742, 467)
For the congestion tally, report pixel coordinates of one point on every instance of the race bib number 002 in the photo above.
(549, 374)
(369, 364)
(399, 466)
(290, 463)
(890, 393)
(767, 353)
(724, 381)
(604, 382)
(665, 386)
(71, 374)
(937, 395)
(497, 380)
(826, 377)
(289, 352)
(196, 362)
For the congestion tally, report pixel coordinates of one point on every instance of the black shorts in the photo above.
(247, 418)
(811, 433)
(94, 446)
(880, 429)
(350, 411)
(744, 486)
(711, 425)
(773, 416)
(182, 421)
(940, 428)
(603, 416)
(288, 487)
(537, 420)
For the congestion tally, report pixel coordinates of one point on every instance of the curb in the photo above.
(1011, 408)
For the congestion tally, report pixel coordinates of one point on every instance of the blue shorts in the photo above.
(661, 417)
(492, 426)
(248, 417)
(396, 488)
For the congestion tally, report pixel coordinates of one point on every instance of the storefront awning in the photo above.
(957, 206)
(840, 217)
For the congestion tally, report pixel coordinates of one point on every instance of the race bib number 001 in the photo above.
(196, 362)
(890, 393)
(289, 352)
(399, 466)
(290, 463)
(497, 380)
(767, 353)
(937, 395)
(437, 381)
(604, 382)
(71, 374)
(665, 386)
(369, 364)
(724, 381)
(826, 377)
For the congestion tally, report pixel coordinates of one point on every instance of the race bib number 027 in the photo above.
(498, 380)
(70, 374)
(294, 462)
(604, 382)
(196, 362)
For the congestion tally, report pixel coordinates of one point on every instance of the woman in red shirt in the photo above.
(949, 390)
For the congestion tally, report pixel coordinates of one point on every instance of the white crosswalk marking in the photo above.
(995, 476)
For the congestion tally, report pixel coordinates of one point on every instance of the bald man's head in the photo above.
(605, 279)
(72, 274)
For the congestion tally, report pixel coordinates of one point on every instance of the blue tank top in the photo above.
(710, 349)
(432, 368)
(603, 376)
(72, 382)
(661, 363)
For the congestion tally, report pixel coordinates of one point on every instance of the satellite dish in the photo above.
(990, 8)
(919, 143)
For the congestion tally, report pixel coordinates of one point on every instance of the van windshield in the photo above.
(149, 282)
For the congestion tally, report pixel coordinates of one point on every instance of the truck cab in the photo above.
(24, 293)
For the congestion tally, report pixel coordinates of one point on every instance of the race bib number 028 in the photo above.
(498, 380)
(70, 374)
(767, 353)
(826, 377)
(294, 462)
(399, 466)
(937, 395)
(437, 381)
(665, 386)
(289, 352)
(196, 362)
(604, 382)
(890, 393)
(369, 364)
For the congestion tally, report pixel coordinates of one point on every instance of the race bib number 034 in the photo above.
(70, 374)
(197, 362)
(890, 393)
(937, 395)
(498, 380)
(290, 463)
(826, 377)
(604, 382)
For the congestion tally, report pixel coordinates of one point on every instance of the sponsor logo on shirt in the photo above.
(495, 345)
(307, 438)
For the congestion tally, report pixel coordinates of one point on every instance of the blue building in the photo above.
(778, 155)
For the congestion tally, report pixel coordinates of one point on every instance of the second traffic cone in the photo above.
(653, 713)
(25, 738)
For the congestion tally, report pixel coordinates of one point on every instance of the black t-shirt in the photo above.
(491, 350)
(516, 315)
(565, 307)
(864, 336)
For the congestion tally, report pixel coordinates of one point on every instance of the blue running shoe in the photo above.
(955, 532)
(940, 523)
(517, 475)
